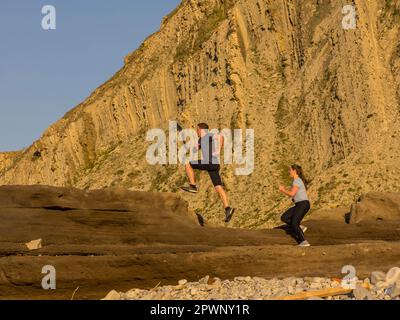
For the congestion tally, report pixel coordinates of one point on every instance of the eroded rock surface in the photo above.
(101, 240)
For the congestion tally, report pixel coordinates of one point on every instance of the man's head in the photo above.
(202, 129)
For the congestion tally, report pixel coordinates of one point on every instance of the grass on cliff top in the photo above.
(173, 12)
(205, 29)
(391, 12)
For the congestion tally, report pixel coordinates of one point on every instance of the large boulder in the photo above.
(374, 206)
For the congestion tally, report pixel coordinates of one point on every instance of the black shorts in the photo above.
(212, 169)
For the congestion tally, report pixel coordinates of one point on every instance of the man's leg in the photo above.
(190, 174)
(217, 182)
(222, 194)
(190, 167)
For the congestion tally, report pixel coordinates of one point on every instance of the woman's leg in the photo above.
(287, 216)
(300, 210)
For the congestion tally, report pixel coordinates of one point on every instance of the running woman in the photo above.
(210, 146)
(298, 193)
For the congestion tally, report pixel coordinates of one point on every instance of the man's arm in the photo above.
(219, 144)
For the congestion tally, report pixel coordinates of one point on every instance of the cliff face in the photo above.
(314, 93)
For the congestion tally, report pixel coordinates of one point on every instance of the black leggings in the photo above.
(293, 218)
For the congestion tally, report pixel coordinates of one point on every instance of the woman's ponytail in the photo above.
(301, 174)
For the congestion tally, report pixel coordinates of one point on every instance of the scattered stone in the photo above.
(360, 293)
(377, 276)
(34, 244)
(193, 291)
(112, 295)
(315, 285)
(381, 285)
(317, 279)
(366, 283)
(392, 276)
(281, 293)
(266, 292)
(204, 280)
(259, 288)
(290, 281)
(291, 290)
(246, 279)
(182, 282)
(131, 294)
(258, 279)
(394, 290)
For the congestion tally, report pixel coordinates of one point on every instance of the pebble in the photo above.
(392, 276)
(112, 295)
(204, 280)
(374, 288)
(182, 282)
(367, 283)
(394, 290)
(315, 285)
(361, 293)
(377, 276)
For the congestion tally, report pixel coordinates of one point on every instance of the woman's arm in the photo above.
(290, 193)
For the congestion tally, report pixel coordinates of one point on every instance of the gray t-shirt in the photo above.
(301, 194)
(208, 148)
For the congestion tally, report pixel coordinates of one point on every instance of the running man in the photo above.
(298, 193)
(210, 145)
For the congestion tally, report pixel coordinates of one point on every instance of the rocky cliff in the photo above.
(314, 93)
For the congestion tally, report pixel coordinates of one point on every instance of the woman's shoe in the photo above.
(305, 243)
(303, 228)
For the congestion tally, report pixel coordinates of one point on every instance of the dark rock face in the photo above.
(376, 206)
(108, 239)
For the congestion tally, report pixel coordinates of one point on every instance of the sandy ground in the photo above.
(117, 239)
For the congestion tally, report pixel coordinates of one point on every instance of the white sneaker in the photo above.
(305, 243)
(303, 228)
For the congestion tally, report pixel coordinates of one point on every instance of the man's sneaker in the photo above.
(228, 214)
(303, 228)
(190, 189)
(304, 244)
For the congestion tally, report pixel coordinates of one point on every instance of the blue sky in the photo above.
(43, 74)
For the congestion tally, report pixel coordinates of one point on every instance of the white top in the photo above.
(301, 194)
